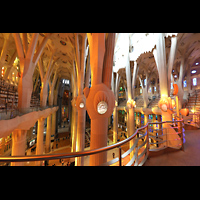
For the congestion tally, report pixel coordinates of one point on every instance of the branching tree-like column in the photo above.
(74, 109)
(51, 96)
(45, 78)
(165, 68)
(80, 53)
(28, 59)
(145, 89)
(130, 89)
(44, 94)
(100, 100)
(115, 112)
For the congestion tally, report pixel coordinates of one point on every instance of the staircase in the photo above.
(139, 101)
(154, 102)
(194, 102)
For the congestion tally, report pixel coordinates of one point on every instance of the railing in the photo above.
(10, 114)
(139, 151)
(161, 137)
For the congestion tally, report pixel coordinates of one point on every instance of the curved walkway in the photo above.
(189, 157)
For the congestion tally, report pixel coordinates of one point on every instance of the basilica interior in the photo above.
(97, 99)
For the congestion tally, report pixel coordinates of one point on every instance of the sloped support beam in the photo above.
(27, 65)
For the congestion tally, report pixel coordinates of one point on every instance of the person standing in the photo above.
(62, 162)
(113, 155)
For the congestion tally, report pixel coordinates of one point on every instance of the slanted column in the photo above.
(40, 135)
(18, 145)
(28, 60)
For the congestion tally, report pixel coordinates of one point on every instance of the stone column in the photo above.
(40, 136)
(100, 100)
(18, 145)
(48, 134)
(115, 124)
(98, 139)
(74, 125)
(53, 127)
(80, 138)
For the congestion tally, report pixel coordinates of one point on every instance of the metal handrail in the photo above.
(80, 153)
(158, 139)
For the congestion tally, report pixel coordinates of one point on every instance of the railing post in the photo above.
(120, 156)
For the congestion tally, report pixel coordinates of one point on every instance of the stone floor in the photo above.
(189, 157)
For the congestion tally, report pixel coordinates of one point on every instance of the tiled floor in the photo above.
(189, 157)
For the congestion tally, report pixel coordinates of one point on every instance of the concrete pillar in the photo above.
(131, 121)
(100, 99)
(127, 124)
(99, 121)
(115, 124)
(53, 127)
(146, 119)
(18, 145)
(154, 120)
(80, 138)
(48, 134)
(98, 139)
(69, 110)
(74, 126)
(189, 79)
(40, 136)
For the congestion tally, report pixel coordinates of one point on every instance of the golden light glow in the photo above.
(131, 103)
(173, 103)
(193, 111)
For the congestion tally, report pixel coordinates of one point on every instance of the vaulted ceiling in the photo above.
(188, 45)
